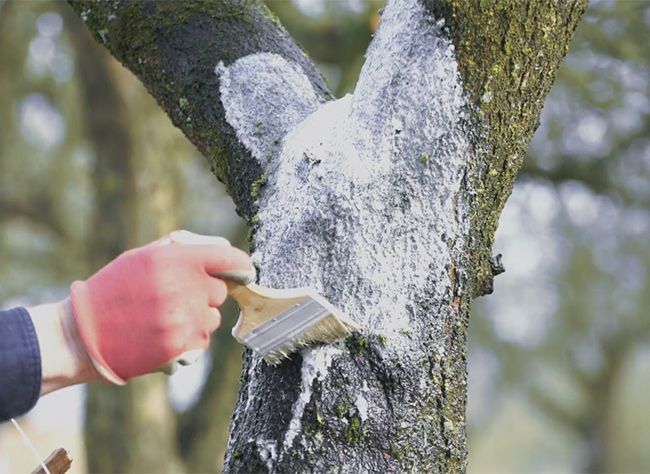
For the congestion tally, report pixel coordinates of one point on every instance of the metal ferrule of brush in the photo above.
(285, 328)
(275, 323)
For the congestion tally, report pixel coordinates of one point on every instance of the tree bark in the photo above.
(174, 47)
(385, 201)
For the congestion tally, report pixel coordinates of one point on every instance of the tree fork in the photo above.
(385, 201)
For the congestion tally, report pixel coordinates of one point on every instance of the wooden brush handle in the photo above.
(236, 290)
(57, 463)
(258, 304)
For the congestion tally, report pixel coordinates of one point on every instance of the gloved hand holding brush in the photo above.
(147, 308)
(154, 303)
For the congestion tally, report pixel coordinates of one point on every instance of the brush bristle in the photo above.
(327, 330)
(312, 320)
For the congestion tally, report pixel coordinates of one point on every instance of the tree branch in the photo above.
(380, 202)
(173, 47)
(508, 56)
(386, 202)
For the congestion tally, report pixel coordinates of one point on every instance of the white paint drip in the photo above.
(315, 363)
(267, 451)
(250, 392)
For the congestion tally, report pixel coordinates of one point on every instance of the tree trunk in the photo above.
(385, 201)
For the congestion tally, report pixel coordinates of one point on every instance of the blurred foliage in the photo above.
(595, 127)
(558, 355)
(335, 34)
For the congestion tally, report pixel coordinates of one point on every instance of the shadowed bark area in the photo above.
(386, 202)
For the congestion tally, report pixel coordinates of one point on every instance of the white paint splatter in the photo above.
(362, 406)
(315, 363)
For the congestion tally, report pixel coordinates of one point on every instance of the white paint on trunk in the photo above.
(315, 363)
(264, 97)
(362, 202)
(267, 451)
(362, 407)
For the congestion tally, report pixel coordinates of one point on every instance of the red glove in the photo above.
(154, 303)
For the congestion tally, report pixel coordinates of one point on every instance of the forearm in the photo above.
(64, 360)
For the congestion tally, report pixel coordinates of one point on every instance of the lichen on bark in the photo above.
(508, 54)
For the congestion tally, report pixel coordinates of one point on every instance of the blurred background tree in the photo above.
(559, 354)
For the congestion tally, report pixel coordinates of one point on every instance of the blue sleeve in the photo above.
(20, 364)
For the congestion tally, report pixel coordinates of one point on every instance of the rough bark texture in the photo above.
(508, 53)
(385, 201)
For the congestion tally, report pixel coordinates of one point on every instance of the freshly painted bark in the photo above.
(386, 201)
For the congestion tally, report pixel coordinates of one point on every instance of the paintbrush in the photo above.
(275, 323)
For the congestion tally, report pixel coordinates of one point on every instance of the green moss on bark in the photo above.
(508, 53)
(173, 48)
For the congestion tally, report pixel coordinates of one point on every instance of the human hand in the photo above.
(154, 303)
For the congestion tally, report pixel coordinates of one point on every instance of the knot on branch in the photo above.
(496, 265)
(491, 267)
